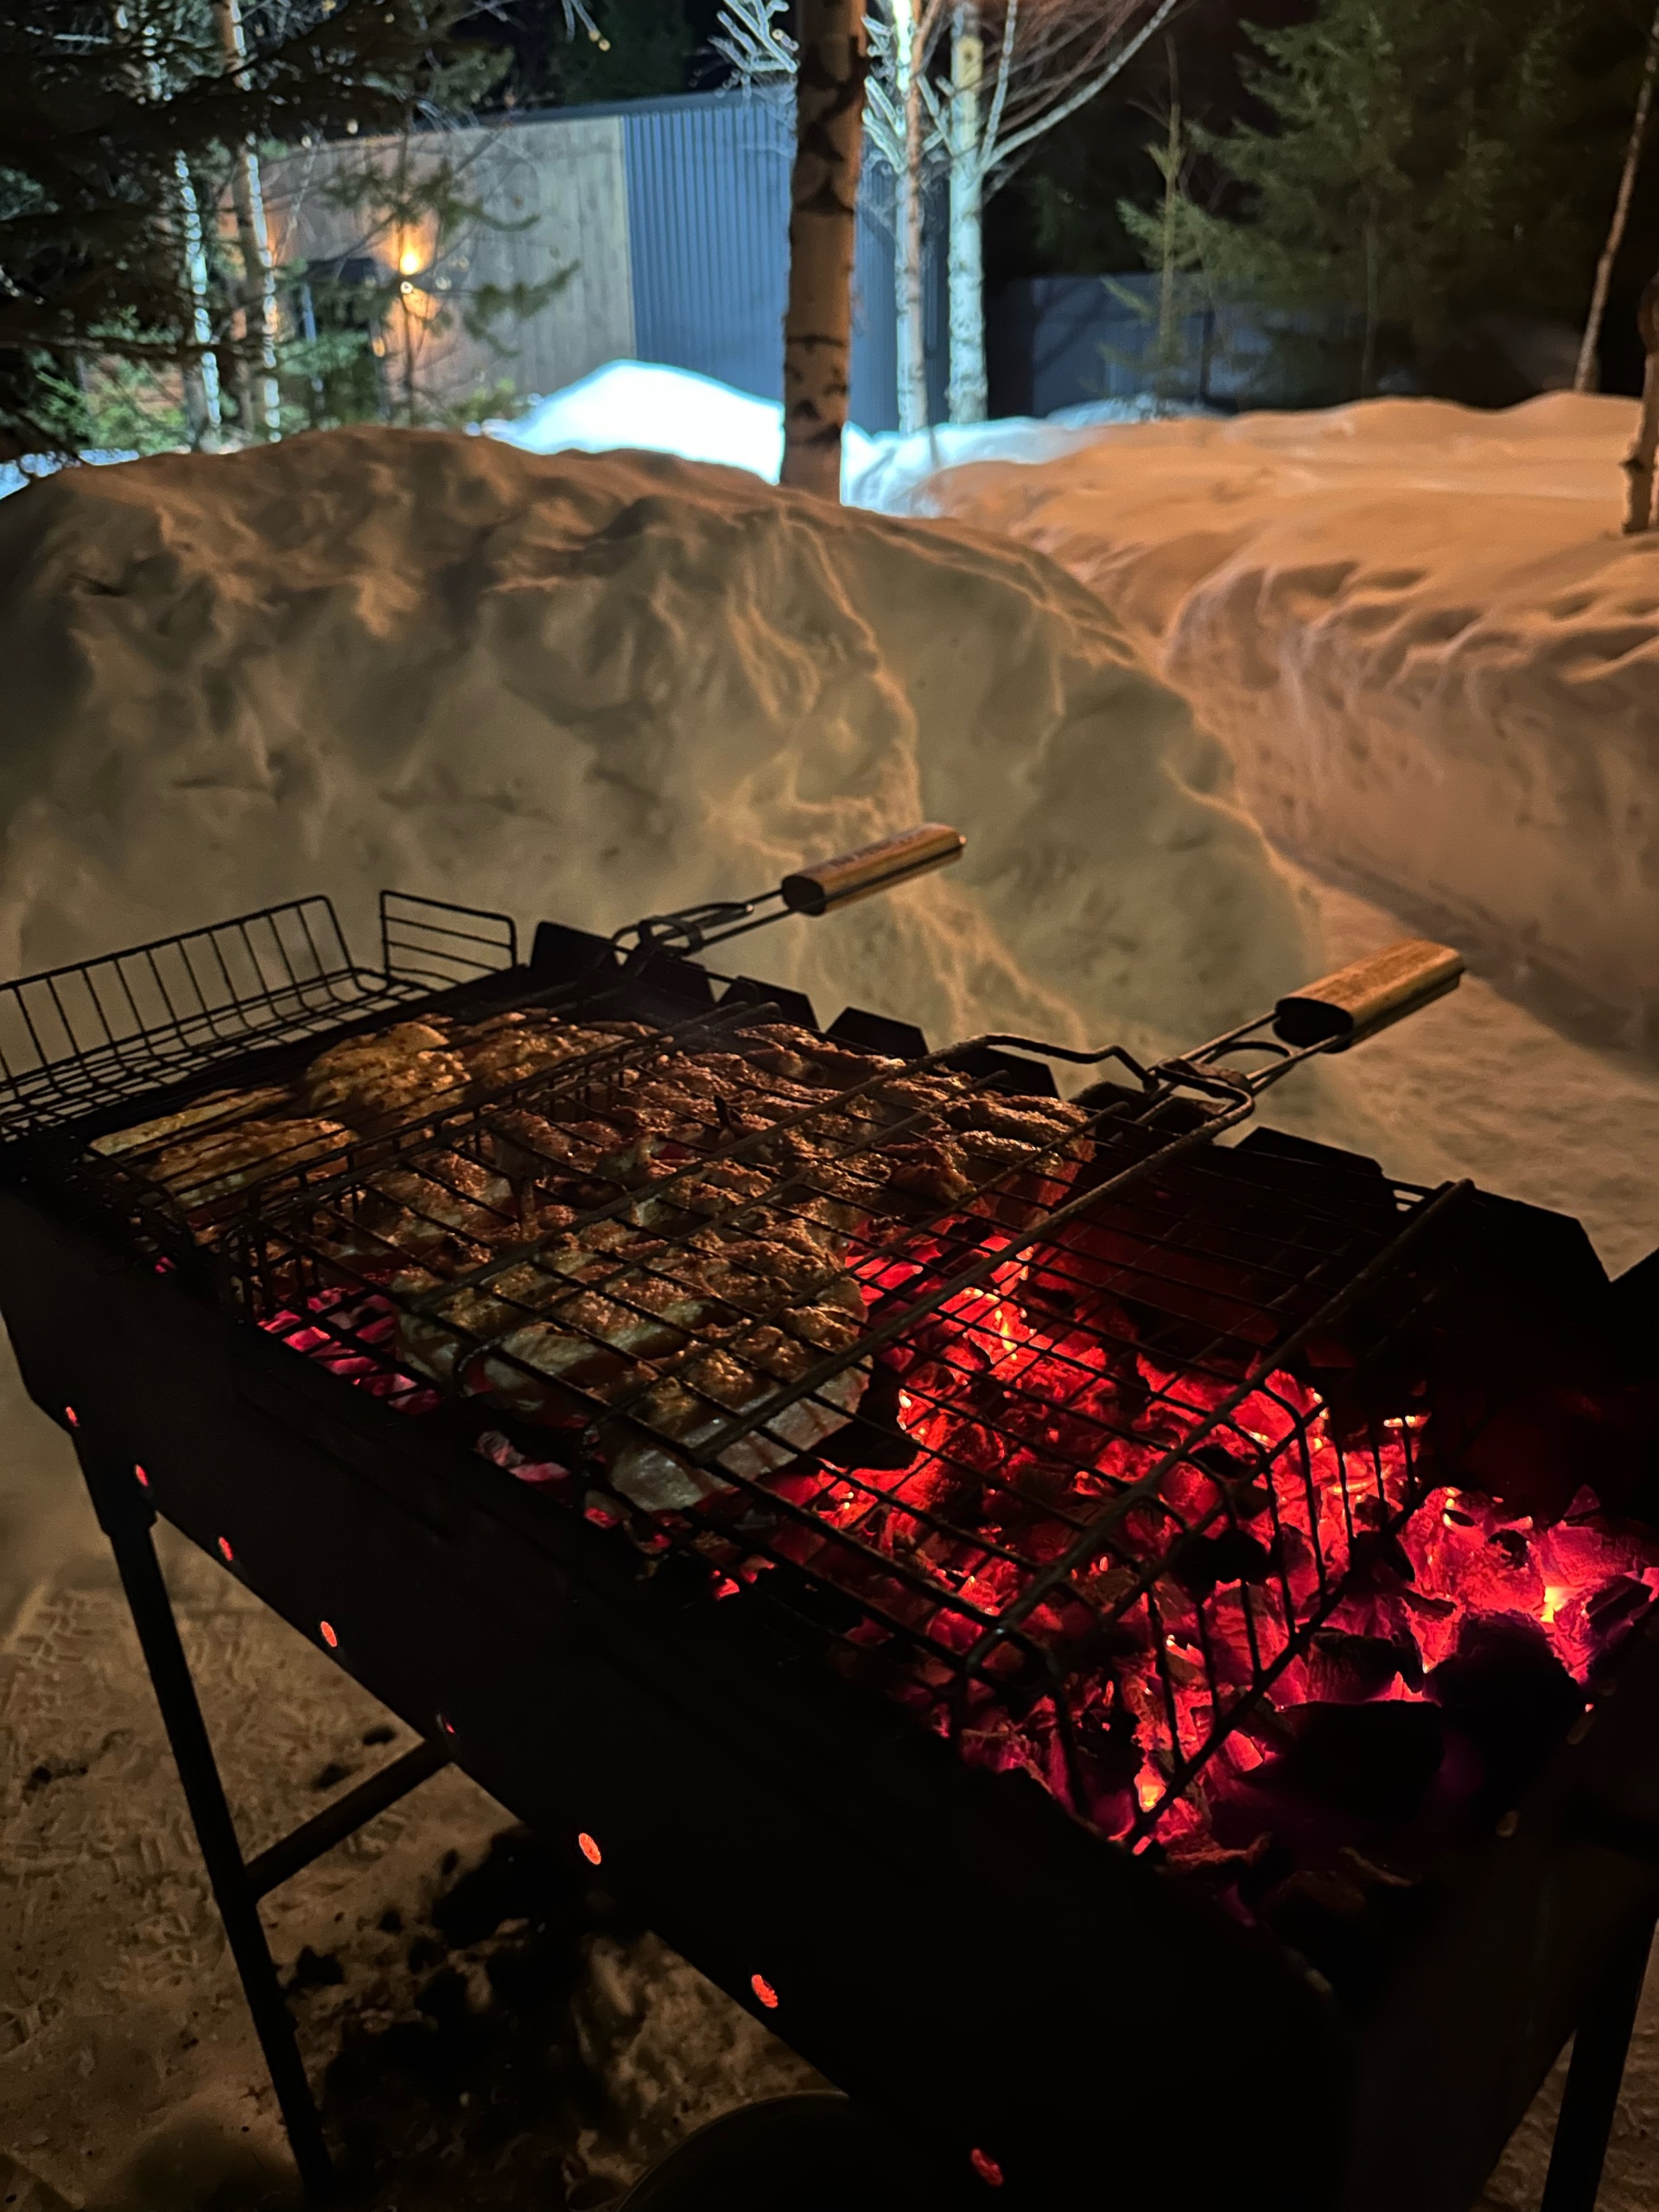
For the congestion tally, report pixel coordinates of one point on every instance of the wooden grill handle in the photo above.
(1344, 1009)
(825, 885)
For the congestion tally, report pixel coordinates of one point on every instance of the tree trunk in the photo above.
(970, 393)
(909, 216)
(1367, 353)
(818, 322)
(259, 386)
(1584, 378)
(201, 369)
(1644, 454)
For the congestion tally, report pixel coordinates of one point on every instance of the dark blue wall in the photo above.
(708, 235)
(1057, 341)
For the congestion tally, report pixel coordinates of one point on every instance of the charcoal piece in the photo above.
(1374, 1761)
(1616, 1605)
(1207, 1562)
(1346, 1670)
(874, 1437)
(1378, 1561)
(1511, 1697)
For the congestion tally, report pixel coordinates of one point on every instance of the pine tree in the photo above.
(643, 52)
(1413, 180)
(119, 124)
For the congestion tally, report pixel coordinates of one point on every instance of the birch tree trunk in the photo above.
(969, 392)
(1644, 454)
(1584, 378)
(258, 382)
(201, 369)
(819, 322)
(910, 209)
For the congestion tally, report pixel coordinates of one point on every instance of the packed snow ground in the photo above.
(1425, 643)
(584, 686)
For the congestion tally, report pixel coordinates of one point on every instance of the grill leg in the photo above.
(1591, 2101)
(126, 1517)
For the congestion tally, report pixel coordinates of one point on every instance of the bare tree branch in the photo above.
(1087, 90)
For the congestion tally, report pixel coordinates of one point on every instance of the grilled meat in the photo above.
(215, 1112)
(590, 1248)
(205, 1169)
(382, 1081)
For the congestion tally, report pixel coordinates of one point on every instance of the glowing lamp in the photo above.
(764, 1990)
(326, 1630)
(986, 2167)
(408, 261)
(589, 1850)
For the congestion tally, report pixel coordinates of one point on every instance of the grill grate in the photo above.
(1076, 1451)
(1042, 1419)
(76, 1038)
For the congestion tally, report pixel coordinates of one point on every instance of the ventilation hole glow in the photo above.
(986, 2167)
(589, 1850)
(764, 1990)
(328, 1635)
(225, 1551)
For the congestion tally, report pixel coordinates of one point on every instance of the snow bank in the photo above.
(14, 475)
(590, 686)
(643, 407)
(1423, 641)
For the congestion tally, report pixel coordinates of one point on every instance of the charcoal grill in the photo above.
(828, 1725)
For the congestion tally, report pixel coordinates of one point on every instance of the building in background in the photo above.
(671, 217)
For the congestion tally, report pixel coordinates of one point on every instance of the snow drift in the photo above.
(646, 406)
(1422, 639)
(588, 686)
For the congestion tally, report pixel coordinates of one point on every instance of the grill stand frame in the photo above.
(127, 1517)
(1601, 2046)
(1583, 2128)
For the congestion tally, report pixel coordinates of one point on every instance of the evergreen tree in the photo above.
(117, 126)
(1417, 175)
(643, 52)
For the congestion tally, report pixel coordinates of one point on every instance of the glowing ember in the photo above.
(1251, 1546)
(1142, 1582)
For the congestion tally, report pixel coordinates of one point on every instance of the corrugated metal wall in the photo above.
(674, 218)
(709, 240)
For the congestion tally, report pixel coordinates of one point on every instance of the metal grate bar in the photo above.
(83, 1036)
